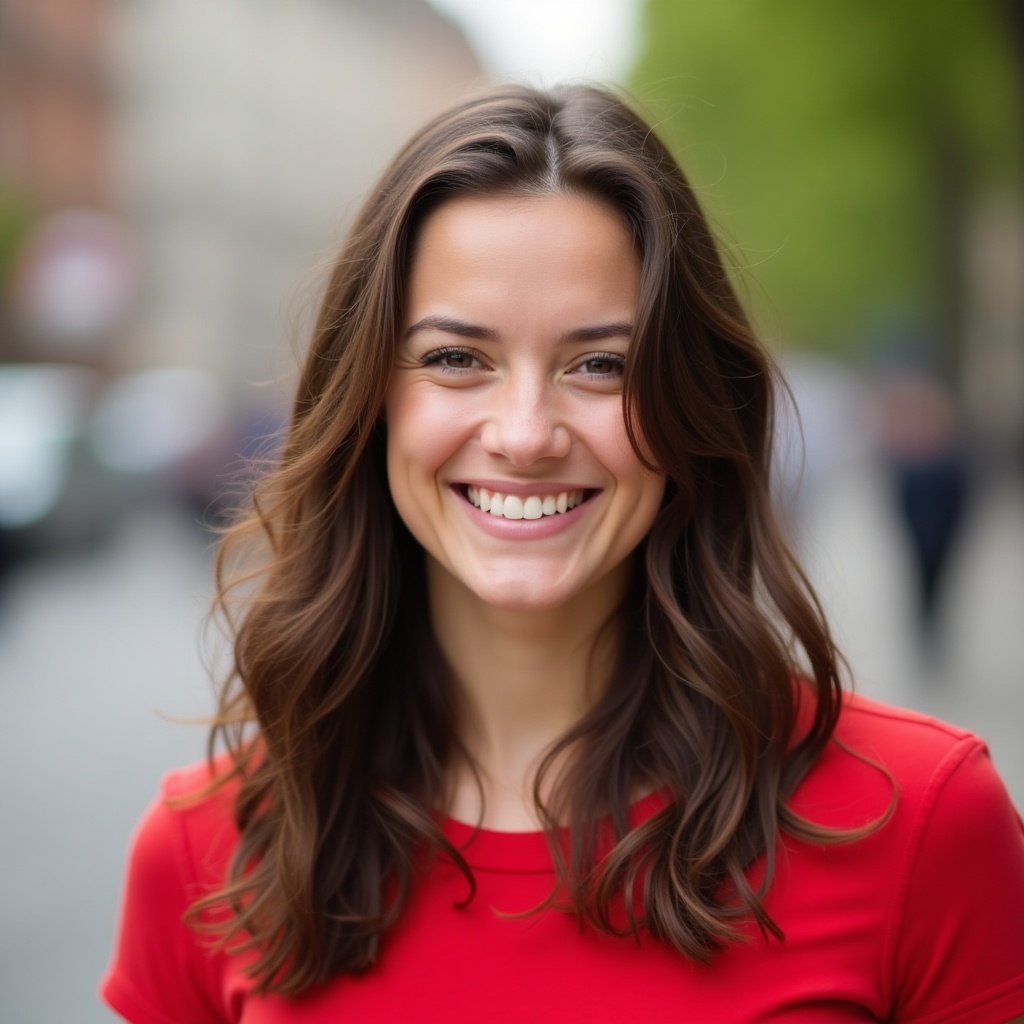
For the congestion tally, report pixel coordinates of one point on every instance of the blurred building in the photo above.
(250, 132)
(234, 138)
(58, 115)
(172, 176)
(57, 102)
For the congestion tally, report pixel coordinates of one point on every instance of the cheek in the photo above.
(642, 486)
(607, 437)
(405, 454)
(422, 433)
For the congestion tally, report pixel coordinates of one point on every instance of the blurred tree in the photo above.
(841, 146)
(16, 215)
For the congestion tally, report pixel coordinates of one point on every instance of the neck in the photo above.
(523, 679)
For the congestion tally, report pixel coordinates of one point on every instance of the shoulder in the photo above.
(189, 831)
(160, 970)
(899, 733)
(943, 860)
(922, 753)
(943, 777)
(882, 756)
(924, 786)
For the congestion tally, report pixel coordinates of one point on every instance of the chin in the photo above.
(523, 585)
(522, 595)
(547, 588)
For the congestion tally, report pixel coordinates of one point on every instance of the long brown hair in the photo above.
(338, 715)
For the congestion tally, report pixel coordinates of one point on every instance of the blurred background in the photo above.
(173, 178)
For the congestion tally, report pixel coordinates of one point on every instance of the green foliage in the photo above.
(16, 215)
(830, 141)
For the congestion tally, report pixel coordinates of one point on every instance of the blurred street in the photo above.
(92, 653)
(96, 653)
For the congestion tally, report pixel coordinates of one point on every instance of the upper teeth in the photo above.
(512, 506)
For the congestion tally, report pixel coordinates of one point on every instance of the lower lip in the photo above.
(523, 529)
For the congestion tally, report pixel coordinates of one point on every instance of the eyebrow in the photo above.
(450, 325)
(598, 332)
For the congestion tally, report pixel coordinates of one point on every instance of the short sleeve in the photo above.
(160, 972)
(958, 952)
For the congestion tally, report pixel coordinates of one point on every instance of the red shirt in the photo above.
(921, 921)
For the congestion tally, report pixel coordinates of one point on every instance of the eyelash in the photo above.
(618, 363)
(438, 355)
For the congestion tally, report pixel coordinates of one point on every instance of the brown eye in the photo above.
(451, 359)
(602, 365)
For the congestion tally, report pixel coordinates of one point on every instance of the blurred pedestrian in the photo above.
(928, 466)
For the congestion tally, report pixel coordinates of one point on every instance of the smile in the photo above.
(515, 506)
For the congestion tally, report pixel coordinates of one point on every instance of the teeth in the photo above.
(511, 506)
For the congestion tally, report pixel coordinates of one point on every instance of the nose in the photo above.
(523, 423)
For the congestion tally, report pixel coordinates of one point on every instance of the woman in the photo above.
(533, 715)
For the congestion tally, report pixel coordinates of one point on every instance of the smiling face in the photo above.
(507, 453)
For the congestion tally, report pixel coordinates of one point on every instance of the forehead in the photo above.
(564, 255)
(566, 214)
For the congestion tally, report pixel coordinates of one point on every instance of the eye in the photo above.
(601, 364)
(452, 359)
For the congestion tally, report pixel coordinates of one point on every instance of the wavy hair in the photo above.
(338, 714)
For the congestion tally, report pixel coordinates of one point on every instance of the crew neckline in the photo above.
(526, 852)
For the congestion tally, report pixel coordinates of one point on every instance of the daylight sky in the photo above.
(546, 41)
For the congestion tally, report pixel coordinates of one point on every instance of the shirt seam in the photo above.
(940, 777)
(864, 706)
(994, 996)
(191, 886)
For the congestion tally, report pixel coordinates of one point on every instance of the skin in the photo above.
(509, 375)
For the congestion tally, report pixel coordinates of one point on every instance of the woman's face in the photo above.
(507, 453)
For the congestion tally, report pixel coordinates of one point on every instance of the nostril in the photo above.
(526, 433)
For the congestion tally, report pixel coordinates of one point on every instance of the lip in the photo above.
(523, 529)
(521, 490)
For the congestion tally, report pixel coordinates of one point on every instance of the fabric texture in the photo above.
(922, 921)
